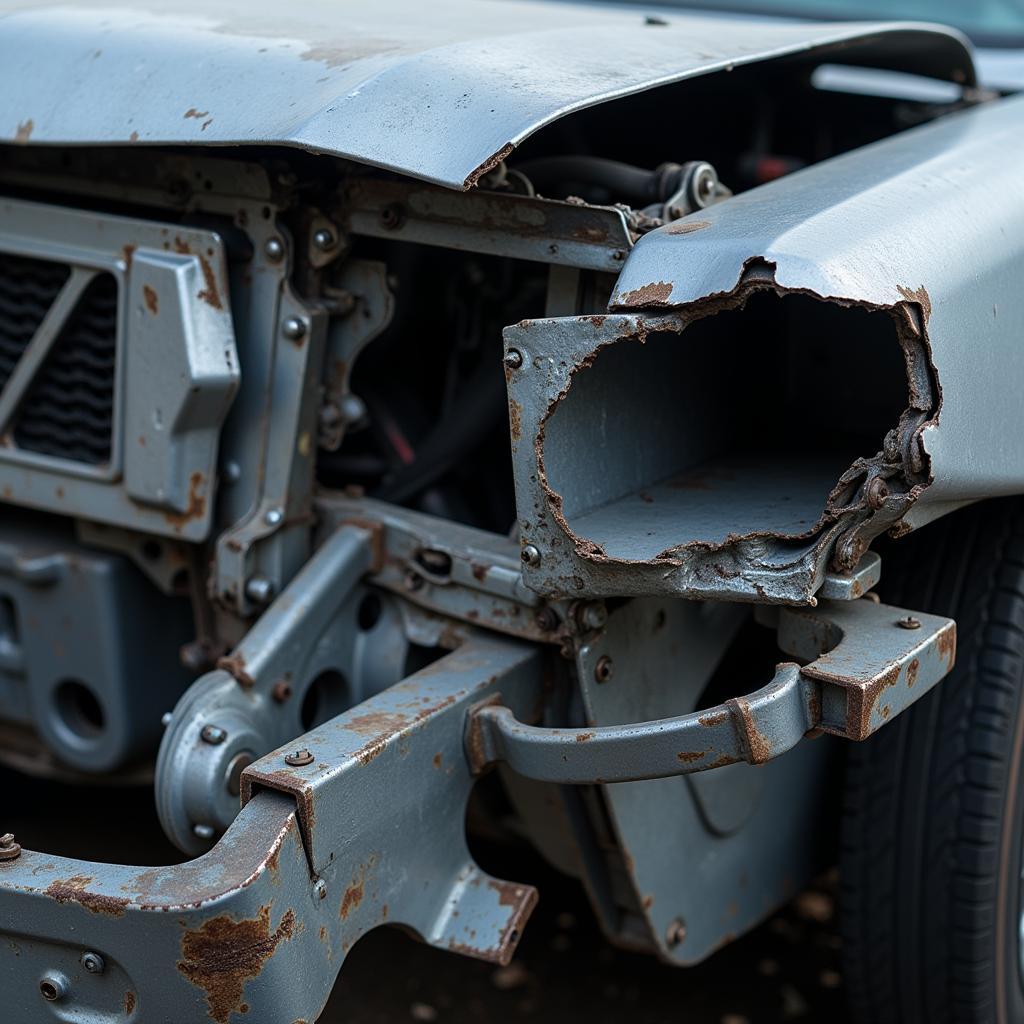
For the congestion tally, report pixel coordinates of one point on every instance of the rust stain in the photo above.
(687, 227)
(657, 293)
(129, 1003)
(438, 759)
(920, 296)
(210, 294)
(234, 665)
(75, 890)
(912, 670)
(515, 419)
(134, 137)
(128, 252)
(488, 165)
(946, 646)
(691, 756)
(222, 955)
(24, 132)
(151, 299)
(197, 114)
(196, 503)
(759, 747)
(354, 894)
(582, 737)
(714, 718)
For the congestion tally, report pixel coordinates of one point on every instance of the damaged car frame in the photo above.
(405, 423)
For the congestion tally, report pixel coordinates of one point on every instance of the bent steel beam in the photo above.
(868, 666)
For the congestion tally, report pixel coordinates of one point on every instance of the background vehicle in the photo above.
(489, 419)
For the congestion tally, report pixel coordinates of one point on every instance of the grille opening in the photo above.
(741, 424)
(68, 411)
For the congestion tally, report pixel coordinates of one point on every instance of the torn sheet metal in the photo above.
(384, 85)
(900, 220)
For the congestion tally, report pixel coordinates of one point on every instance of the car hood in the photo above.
(440, 91)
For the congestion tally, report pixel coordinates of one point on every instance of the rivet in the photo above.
(213, 734)
(294, 328)
(273, 249)
(324, 239)
(530, 555)
(909, 623)
(298, 758)
(513, 359)
(273, 517)
(93, 963)
(259, 589)
(676, 932)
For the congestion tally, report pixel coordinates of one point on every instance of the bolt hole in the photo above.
(326, 697)
(80, 709)
(369, 613)
(49, 991)
(152, 550)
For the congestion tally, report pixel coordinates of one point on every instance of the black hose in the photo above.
(626, 183)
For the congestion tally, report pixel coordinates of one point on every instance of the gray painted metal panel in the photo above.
(937, 214)
(437, 91)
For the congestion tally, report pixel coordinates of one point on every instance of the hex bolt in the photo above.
(53, 987)
(213, 734)
(530, 555)
(203, 831)
(298, 758)
(513, 359)
(320, 888)
(909, 623)
(9, 849)
(273, 249)
(593, 615)
(676, 932)
(259, 589)
(294, 328)
(877, 492)
(93, 963)
(324, 239)
(604, 669)
(273, 517)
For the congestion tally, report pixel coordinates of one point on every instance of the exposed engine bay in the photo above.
(337, 501)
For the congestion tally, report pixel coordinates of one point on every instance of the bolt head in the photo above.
(273, 517)
(294, 328)
(594, 615)
(273, 249)
(530, 555)
(877, 492)
(909, 623)
(513, 359)
(324, 239)
(299, 758)
(9, 849)
(93, 963)
(213, 734)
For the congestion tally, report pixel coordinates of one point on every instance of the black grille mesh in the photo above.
(27, 290)
(68, 410)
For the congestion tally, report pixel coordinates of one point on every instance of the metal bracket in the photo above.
(870, 662)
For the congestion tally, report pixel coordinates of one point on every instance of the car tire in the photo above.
(934, 803)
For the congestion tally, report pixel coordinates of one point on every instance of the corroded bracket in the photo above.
(870, 661)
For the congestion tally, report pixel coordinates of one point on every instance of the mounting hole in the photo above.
(369, 612)
(52, 988)
(326, 697)
(152, 550)
(79, 709)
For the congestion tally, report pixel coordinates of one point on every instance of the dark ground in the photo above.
(786, 970)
